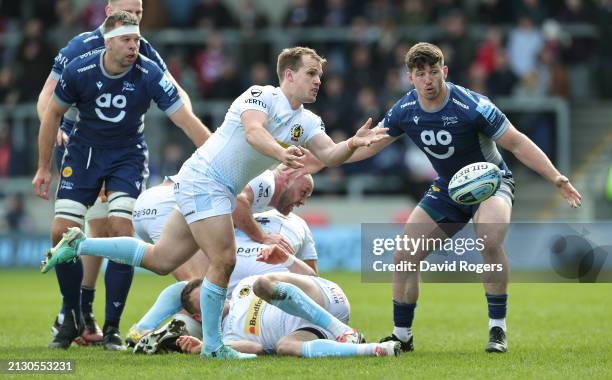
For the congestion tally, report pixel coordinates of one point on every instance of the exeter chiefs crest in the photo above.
(296, 132)
(244, 291)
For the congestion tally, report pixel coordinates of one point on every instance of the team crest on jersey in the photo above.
(127, 86)
(245, 291)
(449, 120)
(296, 132)
(255, 92)
(67, 172)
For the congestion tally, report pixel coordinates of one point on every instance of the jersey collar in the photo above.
(444, 103)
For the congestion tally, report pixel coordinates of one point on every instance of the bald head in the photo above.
(293, 188)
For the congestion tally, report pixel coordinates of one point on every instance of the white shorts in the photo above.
(151, 211)
(200, 197)
(336, 302)
(99, 210)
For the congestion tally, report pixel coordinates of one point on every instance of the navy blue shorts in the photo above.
(442, 209)
(85, 168)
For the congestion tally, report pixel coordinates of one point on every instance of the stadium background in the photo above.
(545, 63)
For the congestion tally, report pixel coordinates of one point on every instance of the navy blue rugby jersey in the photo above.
(91, 42)
(461, 132)
(111, 108)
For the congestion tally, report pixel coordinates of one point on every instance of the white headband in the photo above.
(122, 30)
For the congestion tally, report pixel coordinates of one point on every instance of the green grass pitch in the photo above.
(555, 331)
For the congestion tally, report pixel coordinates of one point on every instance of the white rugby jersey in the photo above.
(253, 319)
(229, 159)
(292, 227)
(263, 188)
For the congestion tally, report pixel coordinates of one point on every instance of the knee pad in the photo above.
(194, 328)
(71, 210)
(99, 210)
(120, 204)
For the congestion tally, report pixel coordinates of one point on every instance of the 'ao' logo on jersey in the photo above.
(105, 101)
(432, 138)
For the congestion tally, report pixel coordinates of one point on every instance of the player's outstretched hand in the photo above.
(274, 254)
(41, 183)
(571, 195)
(189, 344)
(292, 157)
(367, 136)
(311, 163)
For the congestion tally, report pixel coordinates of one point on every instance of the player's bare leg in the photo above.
(195, 267)
(492, 219)
(406, 284)
(303, 297)
(307, 344)
(215, 237)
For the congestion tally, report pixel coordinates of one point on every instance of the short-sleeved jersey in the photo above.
(291, 226)
(253, 319)
(461, 132)
(112, 107)
(263, 188)
(90, 43)
(229, 159)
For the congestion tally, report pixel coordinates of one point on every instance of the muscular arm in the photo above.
(254, 123)
(332, 154)
(366, 152)
(46, 137)
(243, 216)
(529, 154)
(44, 97)
(191, 125)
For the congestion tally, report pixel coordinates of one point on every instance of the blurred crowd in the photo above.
(500, 48)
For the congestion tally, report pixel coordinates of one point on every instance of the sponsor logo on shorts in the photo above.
(144, 212)
(66, 185)
(67, 172)
(337, 294)
(254, 316)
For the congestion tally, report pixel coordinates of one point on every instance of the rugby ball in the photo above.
(474, 183)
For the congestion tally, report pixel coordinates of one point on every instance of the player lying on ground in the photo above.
(252, 258)
(283, 314)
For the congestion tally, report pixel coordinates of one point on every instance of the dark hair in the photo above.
(291, 58)
(186, 303)
(119, 17)
(423, 54)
